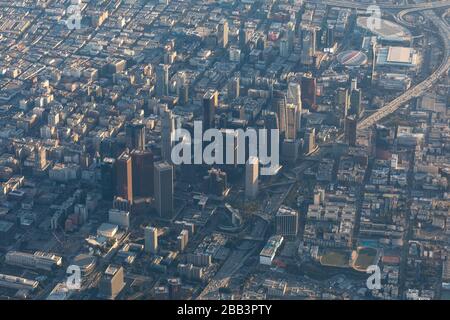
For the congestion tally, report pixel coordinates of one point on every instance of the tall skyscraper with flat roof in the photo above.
(210, 104)
(108, 178)
(251, 177)
(167, 134)
(350, 130)
(234, 87)
(280, 109)
(308, 88)
(164, 189)
(124, 177)
(294, 98)
(291, 121)
(223, 33)
(287, 221)
(142, 169)
(355, 102)
(162, 80)
(343, 102)
(40, 157)
(244, 36)
(310, 140)
(290, 35)
(294, 94)
(112, 282)
(308, 45)
(182, 89)
(151, 239)
(135, 136)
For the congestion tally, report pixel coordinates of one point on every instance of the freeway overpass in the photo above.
(363, 6)
(421, 88)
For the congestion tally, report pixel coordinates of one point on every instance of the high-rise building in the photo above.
(310, 140)
(350, 130)
(251, 177)
(124, 177)
(280, 109)
(142, 168)
(182, 89)
(261, 43)
(330, 38)
(294, 94)
(167, 134)
(234, 54)
(238, 112)
(353, 84)
(294, 97)
(164, 189)
(182, 240)
(343, 102)
(244, 36)
(284, 48)
(162, 80)
(270, 122)
(290, 150)
(308, 90)
(215, 182)
(382, 138)
(119, 217)
(223, 33)
(174, 285)
(112, 282)
(40, 157)
(210, 104)
(151, 240)
(109, 148)
(290, 36)
(287, 221)
(169, 56)
(108, 178)
(234, 88)
(308, 45)
(183, 95)
(291, 121)
(355, 102)
(135, 136)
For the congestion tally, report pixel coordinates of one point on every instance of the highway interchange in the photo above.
(222, 278)
(419, 89)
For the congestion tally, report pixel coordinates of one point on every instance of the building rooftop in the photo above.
(163, 165)
(112, 270)
(396, 57)
(5, 226)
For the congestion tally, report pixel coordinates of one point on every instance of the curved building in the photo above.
(352, 58)
(86, 263)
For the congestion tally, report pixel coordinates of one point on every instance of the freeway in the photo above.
(363, 6)
(425, 85)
